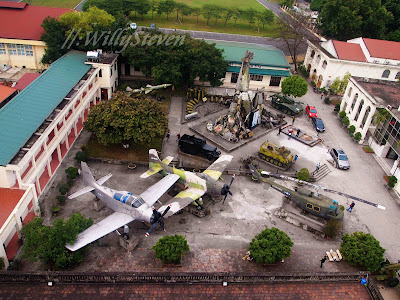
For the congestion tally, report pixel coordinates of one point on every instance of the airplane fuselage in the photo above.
(142, 212)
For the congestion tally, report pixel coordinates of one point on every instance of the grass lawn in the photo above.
(190, 23)
(56, 3)
(232, 3)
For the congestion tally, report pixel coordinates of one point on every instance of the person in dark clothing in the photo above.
(351, 207)
(298, 133)
(279, 130)
(323, 260)
(178, 137)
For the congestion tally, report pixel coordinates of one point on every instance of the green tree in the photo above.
(54, 37)
(250, 15)
(381, 115)
(142, 7)
(126, 119)
(317, 4)
(170, 249)
(47, 243)
(226, 14)
(166, 7)
(72, 172)
(207, 11)
(270, 246)
(295, 86)
(303, 174)
(216, 13)
(196, 11)
(184, 9)
(237, 14)
(361, 249)
(153, 7)
(266, 17)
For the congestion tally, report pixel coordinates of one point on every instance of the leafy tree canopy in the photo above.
(178, 63)
(47, 243)
(361, 249)
(294, 85)
(54, 37)
(126, 119)
(166, 7)
(270, 246)
(338, 85)
(317, 4)
(347, 19)
(170, 249)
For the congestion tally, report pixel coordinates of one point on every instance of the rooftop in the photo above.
(383, 49)
(25, 113)
(383, 91)
(5, 92)
(9, 198)
(25, 80)
(23, 21)
(264, 55)
(349, 51)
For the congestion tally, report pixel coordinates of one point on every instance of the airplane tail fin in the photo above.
(155, 164)
(88, 179)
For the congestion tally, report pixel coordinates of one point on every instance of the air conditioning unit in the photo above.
(366, 79)
(389, 107)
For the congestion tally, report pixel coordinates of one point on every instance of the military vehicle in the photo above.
(388, 272)
(286, 104)
(192, 145)
(276, 155)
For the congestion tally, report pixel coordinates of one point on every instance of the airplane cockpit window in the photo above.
(316, 208)
(137, 202)
(308, 205)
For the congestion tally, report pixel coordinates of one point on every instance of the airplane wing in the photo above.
(153, 193)
(157, 167)
(181, 200)
(85, 190)
(98, 230)
(217, 167)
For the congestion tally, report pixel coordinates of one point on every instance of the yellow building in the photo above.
(20, 32)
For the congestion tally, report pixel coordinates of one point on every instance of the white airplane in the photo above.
(126, 206)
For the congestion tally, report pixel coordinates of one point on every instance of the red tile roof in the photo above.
(25, 24)
(5, 92)
(10, 4)
(25, 80)
(383, 49)
(9, 198)
(349, 51)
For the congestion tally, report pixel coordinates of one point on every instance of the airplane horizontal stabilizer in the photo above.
(104, 179)
(85, 190)
(98, 230)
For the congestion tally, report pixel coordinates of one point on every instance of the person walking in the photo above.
(323, 260)
(317, 168)
(322, 95)
(350, 209)
(295, 158)
(178, 137)
(290, 134)
(279, 130)
(298, 133)
(294, 119)
(167, 135)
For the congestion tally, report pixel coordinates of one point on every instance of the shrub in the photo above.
(361, 249)
(72, 172)
(342, 207)
(270, 246)
(392, 181)
(303, 174)
(352, 129)
(337, 107)
(327, 100)
(16, 265)
(63, 188)
(170, 249)
(342, 114)
(332, 227)
(346, 121)
(61, 199)
(357, 136)
(81, 156)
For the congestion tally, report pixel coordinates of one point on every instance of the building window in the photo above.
(397, 75)
(354, 102)
(312, 54)
(111, 71)
(29, 50)
(324, 64)
(115, 66)
(359, 110)
(12, 49)
(256, 77)
(275, 81)
(318, 59)
(386, 74)
(234, 77)
(2, 48)
(350, 91)
(20, 49)
(100, 74)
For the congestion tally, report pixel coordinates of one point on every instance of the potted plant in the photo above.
(357, 136)
(72, 172)
(337, 107)
(342, 114)
(346, 121)
(392, 182)
(352, 129)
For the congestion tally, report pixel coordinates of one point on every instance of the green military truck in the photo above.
(273, 154)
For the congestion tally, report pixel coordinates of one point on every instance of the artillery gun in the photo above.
(273, 154)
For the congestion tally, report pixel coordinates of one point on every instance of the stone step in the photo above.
(322, 172)
(385, 167)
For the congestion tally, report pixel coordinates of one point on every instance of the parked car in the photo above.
(318, 124)
(340, 158)
(311, 111)
(192, 145)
